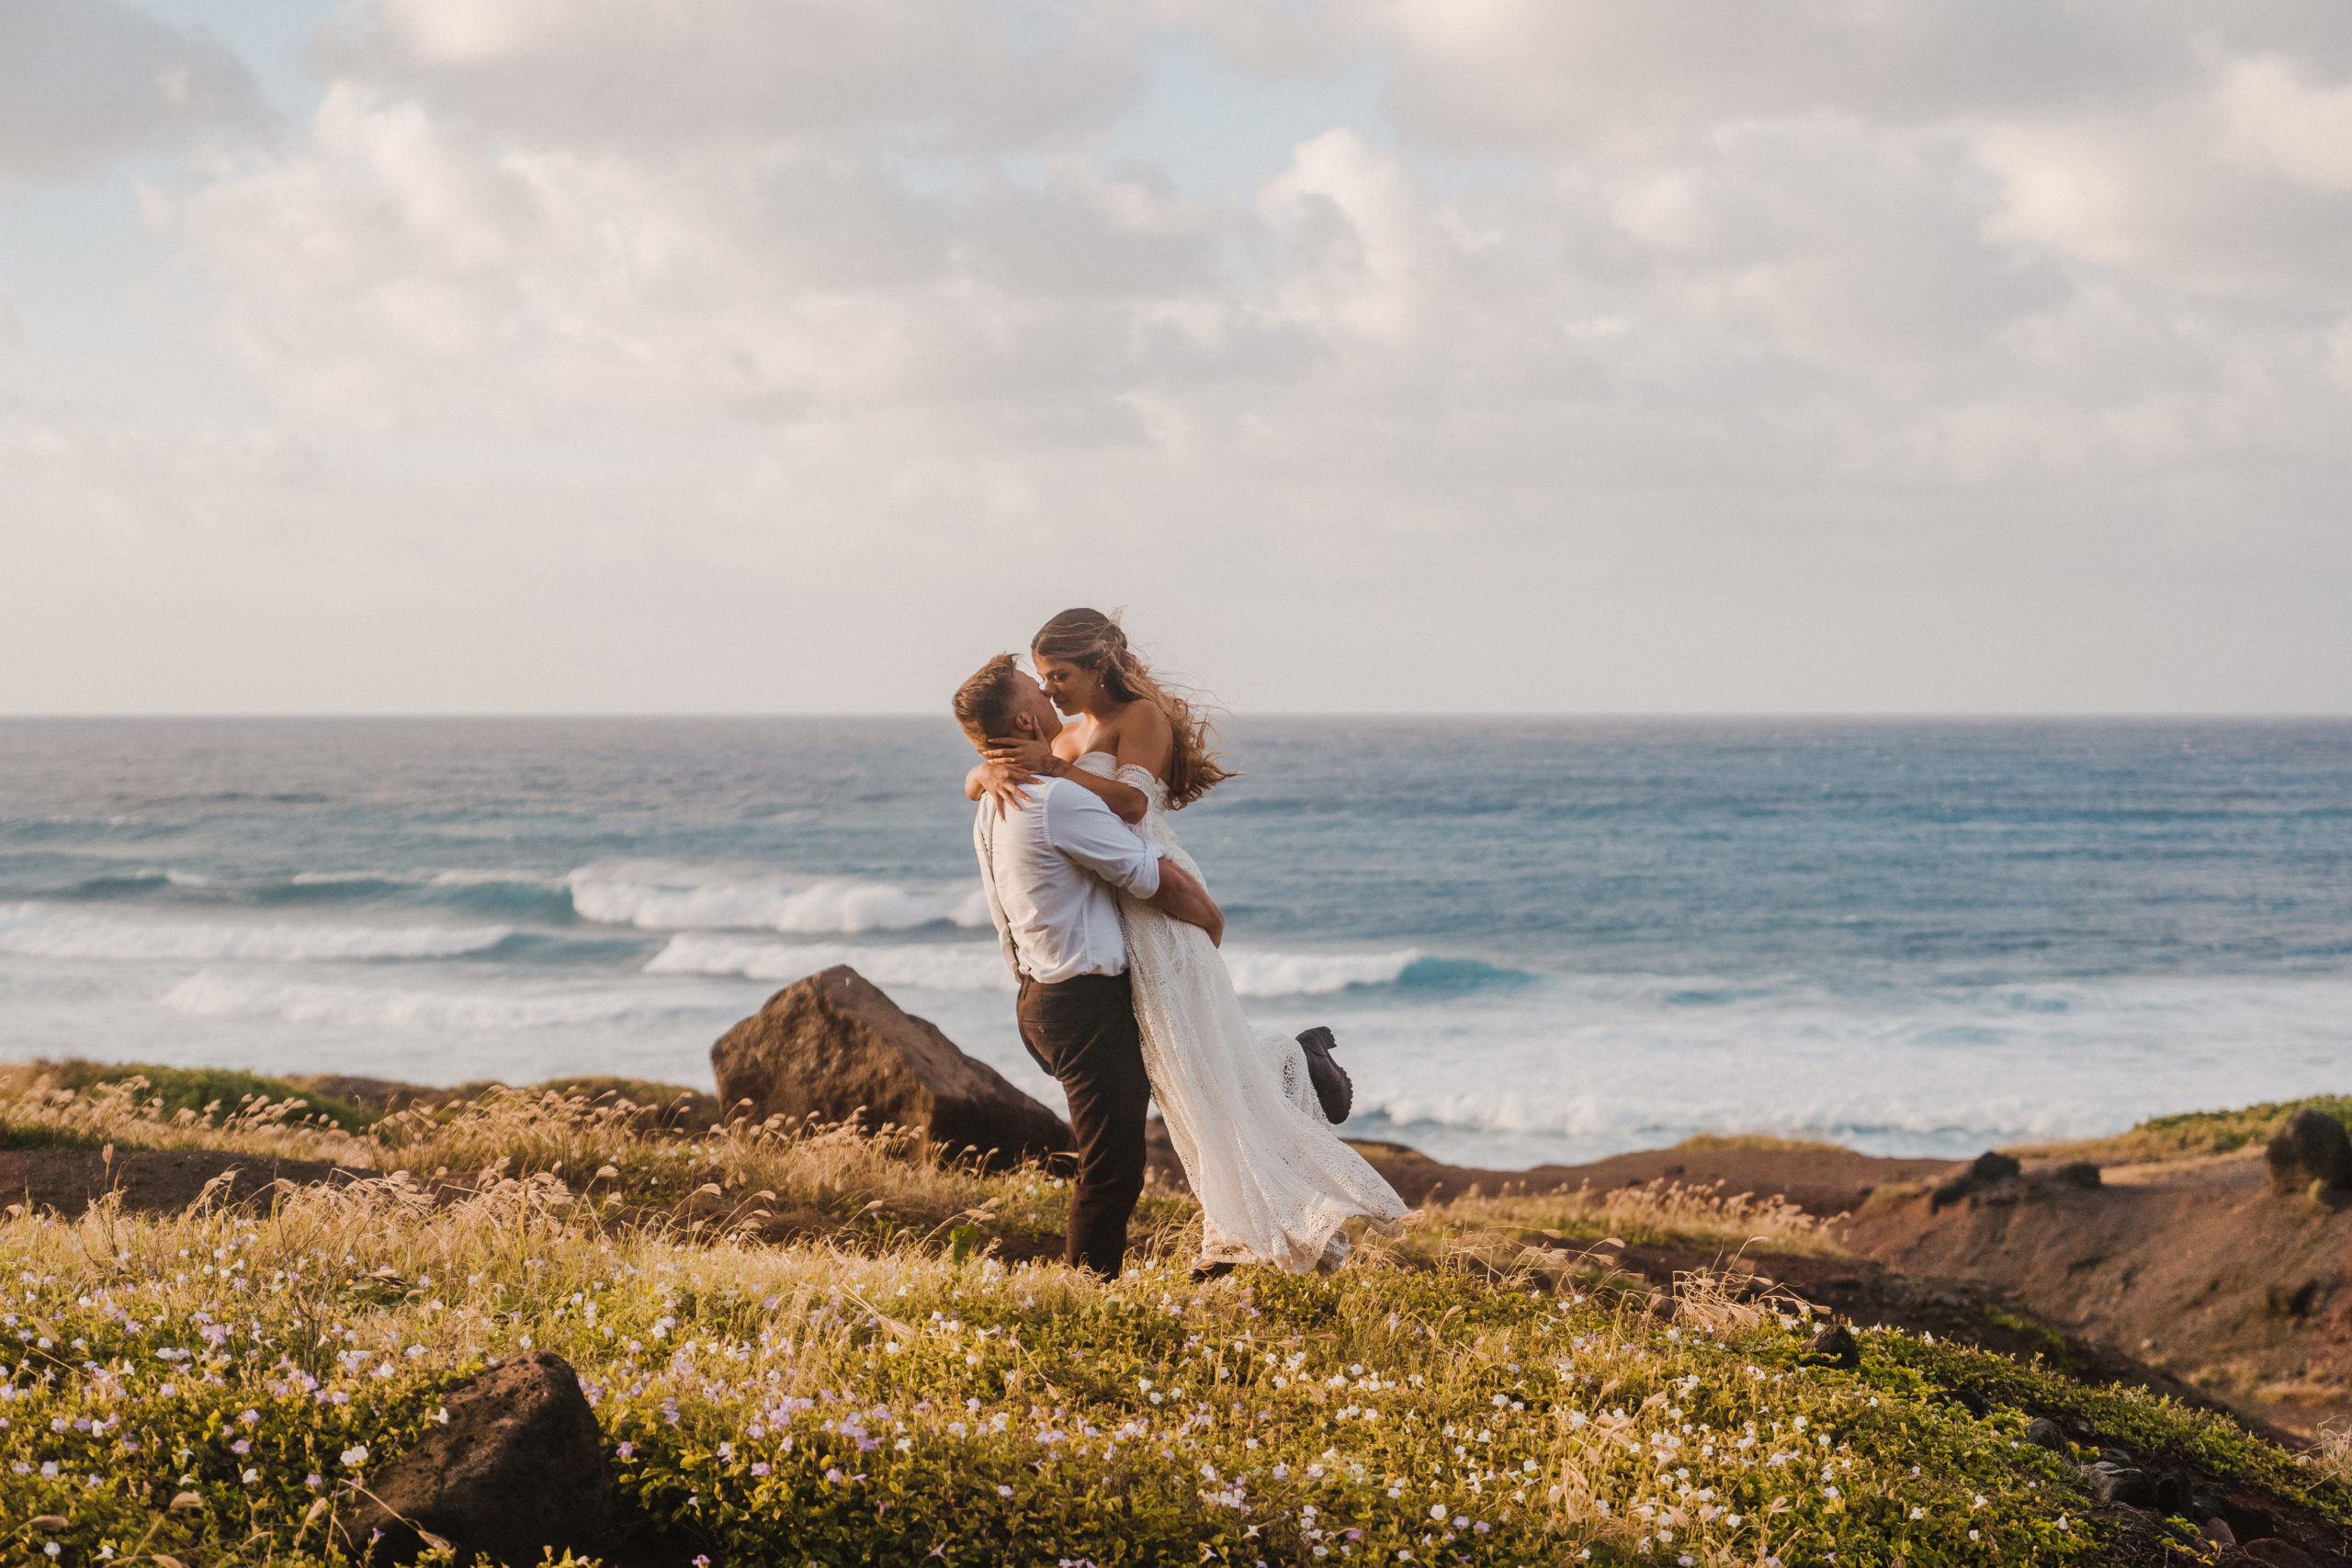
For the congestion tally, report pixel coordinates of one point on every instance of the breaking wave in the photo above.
(980, 966)
(656, 897)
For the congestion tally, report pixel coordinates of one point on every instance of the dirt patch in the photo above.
(153, 1181)
(1821, 1181)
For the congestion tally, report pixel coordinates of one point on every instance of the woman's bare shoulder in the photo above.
(1143, 720)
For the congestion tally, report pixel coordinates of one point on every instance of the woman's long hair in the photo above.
(1092, 640)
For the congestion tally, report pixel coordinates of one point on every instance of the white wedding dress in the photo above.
(1274, 1182)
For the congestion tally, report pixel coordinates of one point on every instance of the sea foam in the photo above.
(980, 966)
(665, 897)
(39, 931)
(211, 994)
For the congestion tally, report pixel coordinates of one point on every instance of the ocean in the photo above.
(1537, 940)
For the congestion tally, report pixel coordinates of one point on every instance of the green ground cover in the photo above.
(203, 1387)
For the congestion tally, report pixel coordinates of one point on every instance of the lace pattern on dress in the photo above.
(1274, 1182)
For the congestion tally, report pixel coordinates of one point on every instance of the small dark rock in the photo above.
(2297, 1303)
(2044, 1433)
(1833, 1346)
(1956, 1191)
(1993, 1166)
(2217, 1530)
(2080, 1173)
(2201, 1508)
(1989, 1169)
(2110, 1483)
(2310, 1147)
(2172, 1492)
(518, 1469)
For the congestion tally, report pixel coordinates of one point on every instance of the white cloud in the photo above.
(83, 82)
(2277, 122)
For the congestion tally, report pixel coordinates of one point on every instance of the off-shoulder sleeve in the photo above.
(1145, 779)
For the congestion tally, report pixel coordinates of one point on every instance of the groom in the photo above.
(1049, 871)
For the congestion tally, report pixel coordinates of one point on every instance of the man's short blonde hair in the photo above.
(984, 703)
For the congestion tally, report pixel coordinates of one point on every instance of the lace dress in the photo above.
(1274, 1182)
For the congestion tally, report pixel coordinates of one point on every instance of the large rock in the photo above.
(833, 1046)
(2310, 1147)
(519, 1468)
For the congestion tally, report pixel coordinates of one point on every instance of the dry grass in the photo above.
(1495, 1232)
(864, 1188)
(36, 1110)
(2332, 1452)
(1768, 1143)
(2193, 1136)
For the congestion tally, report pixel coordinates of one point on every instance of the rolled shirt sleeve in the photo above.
(1081, 826)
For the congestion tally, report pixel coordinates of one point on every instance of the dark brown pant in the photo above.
(1083, 1032)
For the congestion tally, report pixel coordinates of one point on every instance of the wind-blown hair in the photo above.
(984, 703)
(1092, 640)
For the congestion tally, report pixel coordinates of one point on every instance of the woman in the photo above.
(1275, 1183)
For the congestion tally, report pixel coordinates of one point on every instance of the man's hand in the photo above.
(1033, 758)
(999, 781)
(1181, 897)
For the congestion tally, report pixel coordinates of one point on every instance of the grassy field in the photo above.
(202, 1387)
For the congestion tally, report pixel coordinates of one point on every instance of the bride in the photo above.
(1275, 1183)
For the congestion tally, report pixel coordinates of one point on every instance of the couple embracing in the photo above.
(1113, 937)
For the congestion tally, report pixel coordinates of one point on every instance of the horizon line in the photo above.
(1405, 715)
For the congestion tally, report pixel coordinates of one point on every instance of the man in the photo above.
(1050, 872)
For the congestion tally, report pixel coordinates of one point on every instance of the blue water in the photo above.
(1537, 940)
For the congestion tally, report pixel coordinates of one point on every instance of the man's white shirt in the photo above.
(1049, 871)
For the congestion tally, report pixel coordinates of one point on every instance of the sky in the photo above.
(1391, 355)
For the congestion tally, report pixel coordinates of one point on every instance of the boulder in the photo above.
(2109, 1481)
(834, 1047)
(2083, 1173)
(2311, 1148)
(518, 1467)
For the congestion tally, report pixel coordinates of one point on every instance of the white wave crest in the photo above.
(960, 967)
(211, 995)
(1312, 973)
(978, 966)
(38, 930)
(422, 878)
(654, 897)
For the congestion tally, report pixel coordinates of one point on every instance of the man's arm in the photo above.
(1084, 829)
(1181, 897)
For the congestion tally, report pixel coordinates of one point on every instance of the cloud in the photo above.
(1808, 353)
(83, 82)
(612, 72)
(2277, 122)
